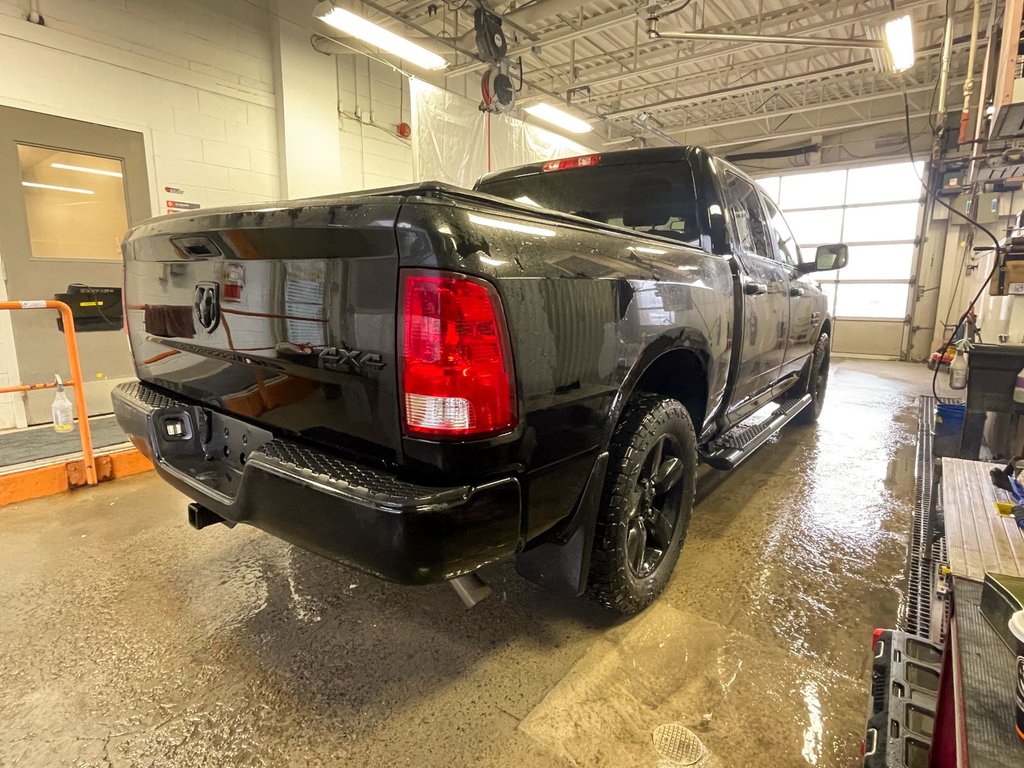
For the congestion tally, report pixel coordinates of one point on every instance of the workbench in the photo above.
(974, 723)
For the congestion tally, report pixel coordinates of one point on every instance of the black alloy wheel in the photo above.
(655, 508)
(816, 381)
(646, 504)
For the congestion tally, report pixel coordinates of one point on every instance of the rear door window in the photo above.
(653, 198)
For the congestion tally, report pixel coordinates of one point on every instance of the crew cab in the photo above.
(422, 380)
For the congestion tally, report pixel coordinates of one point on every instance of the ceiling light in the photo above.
(54, 187)
(83, 169)
(898, 35)
(511, 226)
(559, 117)
(377, 36)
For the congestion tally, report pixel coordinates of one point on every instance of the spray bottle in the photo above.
(63, 415)
(958, 368)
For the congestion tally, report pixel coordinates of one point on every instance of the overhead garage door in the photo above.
(876, 210)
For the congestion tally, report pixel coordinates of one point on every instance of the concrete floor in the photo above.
(128, 639)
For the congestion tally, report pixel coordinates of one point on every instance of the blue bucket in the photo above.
(949, 423)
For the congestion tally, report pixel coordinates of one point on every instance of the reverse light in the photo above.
(377, 36)
(583, 161)
(558, 117)
(456, 365)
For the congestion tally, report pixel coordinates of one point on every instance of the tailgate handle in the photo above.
(196, 247)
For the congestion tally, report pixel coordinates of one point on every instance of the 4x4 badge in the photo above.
(340, 359)
(206, 302)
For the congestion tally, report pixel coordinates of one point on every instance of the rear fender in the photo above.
(688, 341)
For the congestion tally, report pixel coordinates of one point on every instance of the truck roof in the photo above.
(617, 157)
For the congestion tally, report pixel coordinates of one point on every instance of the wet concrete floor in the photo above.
(128, 639)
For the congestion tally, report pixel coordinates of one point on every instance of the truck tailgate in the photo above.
(283, 316)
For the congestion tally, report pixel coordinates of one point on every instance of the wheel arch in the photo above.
(676, 369)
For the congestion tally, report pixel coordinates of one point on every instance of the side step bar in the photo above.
(732, 448)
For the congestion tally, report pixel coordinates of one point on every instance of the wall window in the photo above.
(75, 204)
(875, 210)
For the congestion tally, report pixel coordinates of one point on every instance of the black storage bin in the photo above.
(991, 376)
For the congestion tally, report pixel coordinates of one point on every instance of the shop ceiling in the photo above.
(596, 57)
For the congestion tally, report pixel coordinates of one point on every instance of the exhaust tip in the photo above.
(470, 588)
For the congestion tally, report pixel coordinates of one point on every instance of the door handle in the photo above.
(794, 292)
(755, 289)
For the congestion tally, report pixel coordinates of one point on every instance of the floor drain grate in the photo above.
(677, 745)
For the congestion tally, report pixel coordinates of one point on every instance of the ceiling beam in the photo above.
(827, 74)
(721, 50)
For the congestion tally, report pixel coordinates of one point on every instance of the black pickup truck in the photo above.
(422, 380)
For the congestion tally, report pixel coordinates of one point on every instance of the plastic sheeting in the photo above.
(454, 142)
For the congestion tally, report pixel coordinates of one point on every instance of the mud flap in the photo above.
(560, 563)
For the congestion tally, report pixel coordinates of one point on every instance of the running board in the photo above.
(732, 448)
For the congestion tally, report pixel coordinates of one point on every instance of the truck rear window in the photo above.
(658, 198)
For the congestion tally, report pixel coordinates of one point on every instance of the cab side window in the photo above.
(747, 216)
(789, 251)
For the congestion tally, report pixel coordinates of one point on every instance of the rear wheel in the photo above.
(815, 381)
(646, 504)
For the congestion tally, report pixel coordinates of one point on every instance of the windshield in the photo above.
(657, 198)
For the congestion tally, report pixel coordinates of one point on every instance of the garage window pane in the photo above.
(872, 300)
(812, 190)
(891, 261)
(877, 223)
(883, 183)
(771, 187)
(817, 226)
(75, 204)
(829, 289)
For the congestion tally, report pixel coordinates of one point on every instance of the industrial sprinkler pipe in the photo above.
(654, 33)
(969, 81)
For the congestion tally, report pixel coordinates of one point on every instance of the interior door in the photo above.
(70, 191)
(805, 298)
(765, 287)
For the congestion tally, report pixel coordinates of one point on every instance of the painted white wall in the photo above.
(372, 153)
(307, 119)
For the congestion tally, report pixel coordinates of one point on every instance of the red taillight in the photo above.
(456, 363)
(583, 161)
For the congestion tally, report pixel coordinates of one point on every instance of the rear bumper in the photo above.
(361, 516)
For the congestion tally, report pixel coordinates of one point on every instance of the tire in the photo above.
(640, 530)
(815, 381)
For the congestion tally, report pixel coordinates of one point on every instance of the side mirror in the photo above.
(828, 257)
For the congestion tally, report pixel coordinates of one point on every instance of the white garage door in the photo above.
(876, 210)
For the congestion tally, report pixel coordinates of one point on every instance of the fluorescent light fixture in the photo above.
(651, 251)
(528, 201)
(55, 188)
(898, 35)
(377, 36)
(558, 117)
(83, 169)
(511, 226)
